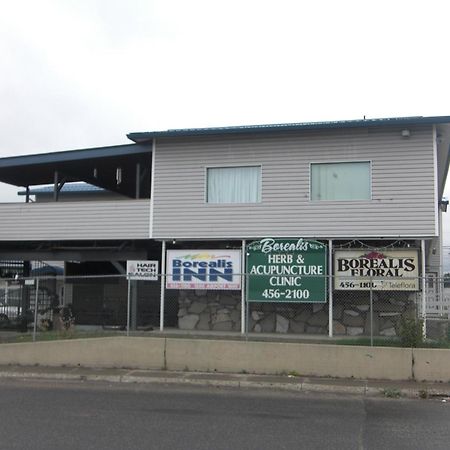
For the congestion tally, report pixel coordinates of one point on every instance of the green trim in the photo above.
(395, 121)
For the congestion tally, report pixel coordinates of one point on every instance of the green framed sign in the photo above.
(286, 270)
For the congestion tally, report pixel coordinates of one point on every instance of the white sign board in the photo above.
(142, 270)
(203, 269)
(380, 270)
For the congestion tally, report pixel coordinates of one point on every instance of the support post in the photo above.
(25, 300)
(424, 290)
(138, 180)
(134, 305)
(330, 288)
(27, 194)
(55, 186)
(371, 311)
(243, 280)
(163, 283)
(128, 307)
(36, 301)
(247, 314)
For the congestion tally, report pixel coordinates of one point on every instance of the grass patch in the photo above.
(391, 393)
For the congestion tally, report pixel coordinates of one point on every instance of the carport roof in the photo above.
(74, 165)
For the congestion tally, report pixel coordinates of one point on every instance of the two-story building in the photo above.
(361, 184)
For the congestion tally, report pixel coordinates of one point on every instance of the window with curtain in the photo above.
(233, 184)
(341, 181)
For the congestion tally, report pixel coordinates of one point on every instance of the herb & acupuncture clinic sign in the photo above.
(286, 270)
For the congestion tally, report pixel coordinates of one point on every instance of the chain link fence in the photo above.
(61, 304)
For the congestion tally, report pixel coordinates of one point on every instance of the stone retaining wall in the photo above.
(209, 310)
(221, 311)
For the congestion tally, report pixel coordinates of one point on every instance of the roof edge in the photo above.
(140, 137)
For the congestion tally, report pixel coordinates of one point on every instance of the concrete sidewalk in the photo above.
(409, 389)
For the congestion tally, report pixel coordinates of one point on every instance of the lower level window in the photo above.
(234, 184)
(341, 181)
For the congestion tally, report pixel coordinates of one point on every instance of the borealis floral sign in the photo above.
(382, 270)
(287, 270)
(203, 269)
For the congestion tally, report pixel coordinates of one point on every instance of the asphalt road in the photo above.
(62, 415)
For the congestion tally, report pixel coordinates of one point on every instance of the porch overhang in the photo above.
(97, 166)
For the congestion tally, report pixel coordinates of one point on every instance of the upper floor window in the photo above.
(233, 184)
(341, 181)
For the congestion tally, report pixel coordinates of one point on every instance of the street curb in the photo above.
(236, 381)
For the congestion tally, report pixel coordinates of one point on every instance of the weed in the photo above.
(391, 393)
(423, 393)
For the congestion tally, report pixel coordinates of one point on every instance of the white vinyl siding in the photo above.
(108, 219)
(233, 184)
(402, 202)
(340, 181)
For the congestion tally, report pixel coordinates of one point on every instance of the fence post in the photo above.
(371, 311)
(424, 295)
(330, 288)
(128, 306)
(243, 280)
(36, 301)
(163, 282)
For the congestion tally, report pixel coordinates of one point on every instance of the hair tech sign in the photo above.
(389, 270)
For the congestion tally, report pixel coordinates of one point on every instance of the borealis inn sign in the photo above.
(393, 270)
(203, 269)
(287, 270)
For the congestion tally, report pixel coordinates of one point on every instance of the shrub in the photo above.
(410, 332)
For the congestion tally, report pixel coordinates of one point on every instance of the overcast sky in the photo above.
(83, 73)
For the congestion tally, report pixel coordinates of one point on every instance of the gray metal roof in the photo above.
(69, 188)
(74, 155)
(394, 121)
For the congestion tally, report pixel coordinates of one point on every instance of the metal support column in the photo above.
(424, 290)
(128, 306)
(330, 288)
(371, 311)
(134, 304)
(243, 288)
(36, 304)
(163, 283)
